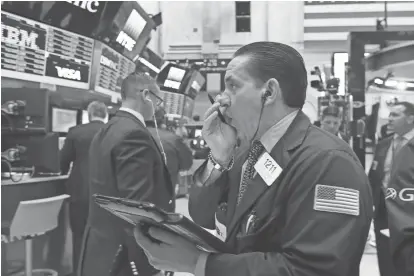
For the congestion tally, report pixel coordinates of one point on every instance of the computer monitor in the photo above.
(85, 117)
(171, 77)
(198, 133)
(63, 119)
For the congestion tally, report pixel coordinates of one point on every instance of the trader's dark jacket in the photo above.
(125, 162)
(76, 150)
(179, 155)
(400, 207)
(287, 235)
(376, 177)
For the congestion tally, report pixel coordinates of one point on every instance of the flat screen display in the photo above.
(41, 53)
(170, 78)
(127, 31)
(112, 68)
(85, 117)
(63, 119)
(174, 78)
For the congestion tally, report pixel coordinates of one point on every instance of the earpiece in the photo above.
(265, 96)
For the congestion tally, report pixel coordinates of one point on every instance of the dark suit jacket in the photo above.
(287, 236)
(401, 209)
(125, 162)
(376, 176)
(179, 155)
(76, 150)
(385, 133)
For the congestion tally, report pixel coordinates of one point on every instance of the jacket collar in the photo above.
(281, 152)
(134, 113)
(125, 114)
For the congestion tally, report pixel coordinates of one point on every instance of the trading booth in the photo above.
(57, 57)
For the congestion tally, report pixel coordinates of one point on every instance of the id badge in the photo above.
(374, 165)
(268, 169)
(221, 229)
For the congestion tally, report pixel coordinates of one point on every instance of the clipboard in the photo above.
(136, 212)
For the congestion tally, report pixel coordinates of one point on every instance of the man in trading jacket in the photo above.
(286, 197)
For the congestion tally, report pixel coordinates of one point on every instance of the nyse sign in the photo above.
(126, 41)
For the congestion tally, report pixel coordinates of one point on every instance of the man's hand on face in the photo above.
(220, 137)
(172, 253)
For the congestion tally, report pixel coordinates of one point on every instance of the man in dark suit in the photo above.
(125, 162)
(179, 155)
(390, 171)
(76, 151)
(385, 132)
(377, 174)
(399, 194)
(299, 205)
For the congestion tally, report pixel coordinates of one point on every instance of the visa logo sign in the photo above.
(68, 73)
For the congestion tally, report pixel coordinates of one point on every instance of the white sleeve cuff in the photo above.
(200, 269)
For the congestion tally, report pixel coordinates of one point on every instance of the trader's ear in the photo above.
(272, 92)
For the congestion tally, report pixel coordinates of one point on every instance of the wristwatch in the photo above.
(219, 167)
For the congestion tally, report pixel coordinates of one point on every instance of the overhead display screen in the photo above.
(149, 62)
(128, 31)
(41, 53)
(171, 77)
(113, 68)
(23, 45)
(122, 25)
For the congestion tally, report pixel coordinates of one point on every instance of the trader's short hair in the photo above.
(135, 82)
(331, 111)
(282, 62)
(409, 108)
(97, 109)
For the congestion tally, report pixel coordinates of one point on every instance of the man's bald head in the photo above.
(135, 83)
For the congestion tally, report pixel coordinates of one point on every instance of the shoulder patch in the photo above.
(336, 200)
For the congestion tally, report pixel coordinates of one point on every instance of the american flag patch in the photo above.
(336, 200)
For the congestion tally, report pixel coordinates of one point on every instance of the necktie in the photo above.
(255, 151)
(398, 143)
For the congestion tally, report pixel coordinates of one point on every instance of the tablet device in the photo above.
(138, 212)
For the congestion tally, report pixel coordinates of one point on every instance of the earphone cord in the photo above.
(258, 123)
(158, 135)
(162, 147)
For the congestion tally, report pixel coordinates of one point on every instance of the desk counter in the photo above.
(34, 180)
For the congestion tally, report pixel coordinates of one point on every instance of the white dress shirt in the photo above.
(135, 113)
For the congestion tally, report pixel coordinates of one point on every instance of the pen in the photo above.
(219, 113)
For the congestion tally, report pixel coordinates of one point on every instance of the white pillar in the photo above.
(153, 7)
(285, 23)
